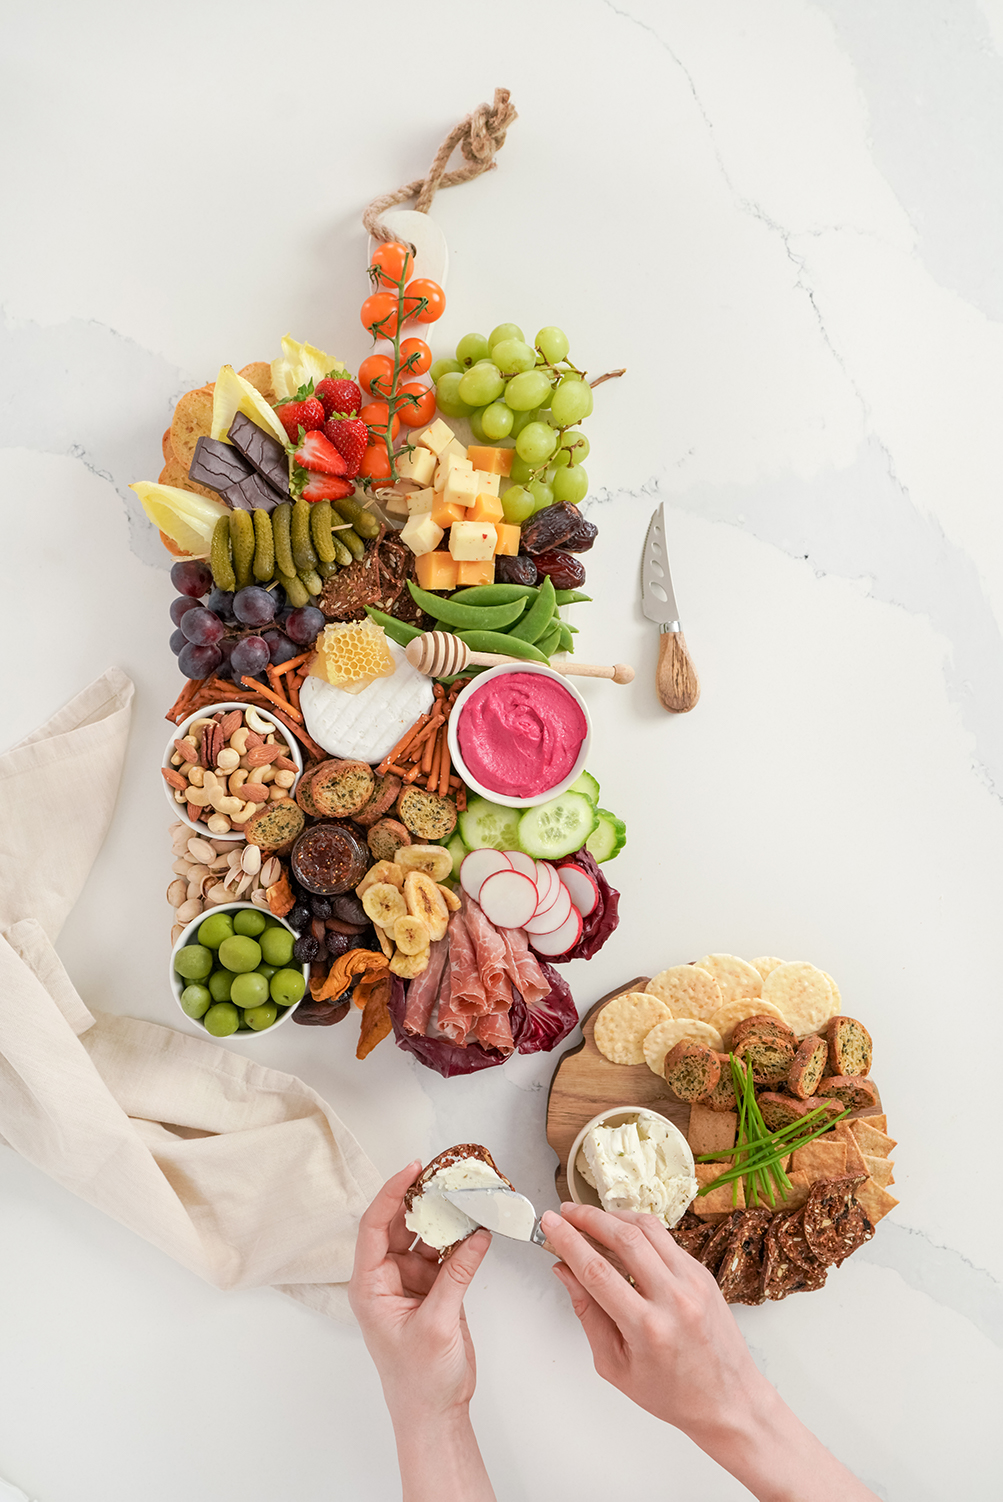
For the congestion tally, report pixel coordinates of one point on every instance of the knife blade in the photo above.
(676, 681)
(503, 1210)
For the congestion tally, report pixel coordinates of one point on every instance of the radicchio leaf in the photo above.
(539, 1028)
(602, 920)
(445, 1058)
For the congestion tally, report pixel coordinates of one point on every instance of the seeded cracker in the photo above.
(689, 991)
(803, 995)
(735, 977)
(665, 1035)
(733, 1012)
(624, 1023)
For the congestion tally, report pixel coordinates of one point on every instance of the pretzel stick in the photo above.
(260, 688)
(461, 800)
(445, 766)
(293, 663)
(181, 703)
(405, 741)
(275, 681)
(292, 684)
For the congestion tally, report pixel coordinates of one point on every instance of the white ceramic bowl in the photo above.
(584, 1194)
(180, 810)
(452, 735)
(189, 936)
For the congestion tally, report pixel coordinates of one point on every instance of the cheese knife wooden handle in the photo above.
(676, 681)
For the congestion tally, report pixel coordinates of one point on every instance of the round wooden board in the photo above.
(585, 1083)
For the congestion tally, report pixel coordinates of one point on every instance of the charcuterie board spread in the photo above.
(376, 743)
(775, 1204)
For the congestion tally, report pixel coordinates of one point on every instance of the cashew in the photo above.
(256, 723)
(284, 779)
(196, 775)
(237, 779)
(270, 739)
(175, 760)
(199, 796)
(179, 796)
(210, 781)
(191, 733)
(257, 774)
(244, 814)
(276, 794)
(218, 823)
(228, 759)
(268, 774)
(224, 805)
(238, 740)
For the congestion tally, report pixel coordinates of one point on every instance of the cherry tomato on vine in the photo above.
(376, 414)
(392, 261)
(375, 464)
(379, 314)
(375, 375)
(418, 408)
(434, 296)
(419, 356)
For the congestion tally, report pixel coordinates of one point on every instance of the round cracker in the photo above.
(192, 421)
(803, 994)
(736, 1011)
(259, 373)
(835, 993)
(689, 991)
(735, 977)
(665, 1035)
(765, 963)
(624, 1023)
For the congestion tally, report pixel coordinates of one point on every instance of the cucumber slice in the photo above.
(494, 825)
(457, 850)
(557, 828)
(586, 784)
(608, 838)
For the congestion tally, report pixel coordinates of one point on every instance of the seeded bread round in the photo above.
(782, 1110)
(275, 825)
(340, 788)
(850, 1047)
(691, 1071)
(761, 1026)
(805, 1073)
(850, 1089)
(385, 839)
(381, 801)
(722, 1097)
(770, 1058)
(430, 817)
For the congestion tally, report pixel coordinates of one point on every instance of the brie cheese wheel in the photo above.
(366, 726)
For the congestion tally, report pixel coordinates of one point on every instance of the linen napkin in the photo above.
(240, 1172)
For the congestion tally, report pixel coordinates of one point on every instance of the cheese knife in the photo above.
(511, 1214)
(676, 682)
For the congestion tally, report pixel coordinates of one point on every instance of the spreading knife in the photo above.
(509, 1213)
(676, 681)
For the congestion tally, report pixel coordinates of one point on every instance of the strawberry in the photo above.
(308, 415)
(350, 436)
(339, 396)
(327, 488)
(318, 453)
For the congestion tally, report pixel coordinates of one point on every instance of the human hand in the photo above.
(410, 1309)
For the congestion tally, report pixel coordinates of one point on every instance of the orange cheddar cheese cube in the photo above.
(444, 512)
(436, 571)
(508, 538)
(486, 508)
(476, 573)
(494, 461)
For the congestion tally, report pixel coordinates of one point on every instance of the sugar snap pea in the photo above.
(398, 631)
(321, 521)
(296, 592)
(499, 641)
(571, 597)
(264, 545)
(536, 622)
(242, 546)
(494, 594)
(364, 522)
(550, 641)
(303, 553)
(219, 555)
(566, 642)
(467, 617)
(282, 518)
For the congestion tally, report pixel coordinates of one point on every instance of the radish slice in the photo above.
(548, 885)
(584, 892)
(508, 899)
(556, 914)
(561, 939)
(478, 866)
(524, 863)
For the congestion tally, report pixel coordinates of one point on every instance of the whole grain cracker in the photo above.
(727, 1017)
(624, 1022)
(736, 977)
(765, 963)
(689, 991)
(803, 994)
(192, 421)
(665, 1035)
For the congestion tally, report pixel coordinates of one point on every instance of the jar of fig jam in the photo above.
(329, 858)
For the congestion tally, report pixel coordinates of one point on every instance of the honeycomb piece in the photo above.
(353, 655)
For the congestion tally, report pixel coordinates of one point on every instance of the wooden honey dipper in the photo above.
(439, 654)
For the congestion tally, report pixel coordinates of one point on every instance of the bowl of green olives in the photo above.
(232, 971)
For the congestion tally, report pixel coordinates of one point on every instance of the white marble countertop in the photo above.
(784, 220)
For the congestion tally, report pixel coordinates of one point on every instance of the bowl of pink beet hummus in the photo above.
(519, 734)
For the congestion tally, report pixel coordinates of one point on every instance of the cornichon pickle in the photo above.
(364, 522)
(242, 546)
(325, 570)
(311, 580)
(264, 546)
(303, 553)
(281, 523)
(341, 553)
(321, 521)
(351, 540)
(219, 556)
(296, 592)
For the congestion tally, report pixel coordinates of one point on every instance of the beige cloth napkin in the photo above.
(242, 1173)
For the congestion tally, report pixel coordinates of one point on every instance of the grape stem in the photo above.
(610, 375)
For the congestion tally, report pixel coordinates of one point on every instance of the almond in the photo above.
(187, 749)
(174, 779)
(254, 792)
(261, 756)
(230, 723)
(283, 764)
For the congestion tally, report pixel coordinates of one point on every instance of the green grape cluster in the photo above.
(507, 388)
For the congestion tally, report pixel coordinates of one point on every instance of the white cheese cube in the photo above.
(461, 488)
(437, 436)
(418, 465)
(397, 505)
(487, 484)
(451, 463)
(420, 502)
(472, 542)
(421, 534)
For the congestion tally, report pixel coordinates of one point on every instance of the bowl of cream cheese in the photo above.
(630, 1158)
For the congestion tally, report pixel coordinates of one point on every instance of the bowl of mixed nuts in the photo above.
(223, 763)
